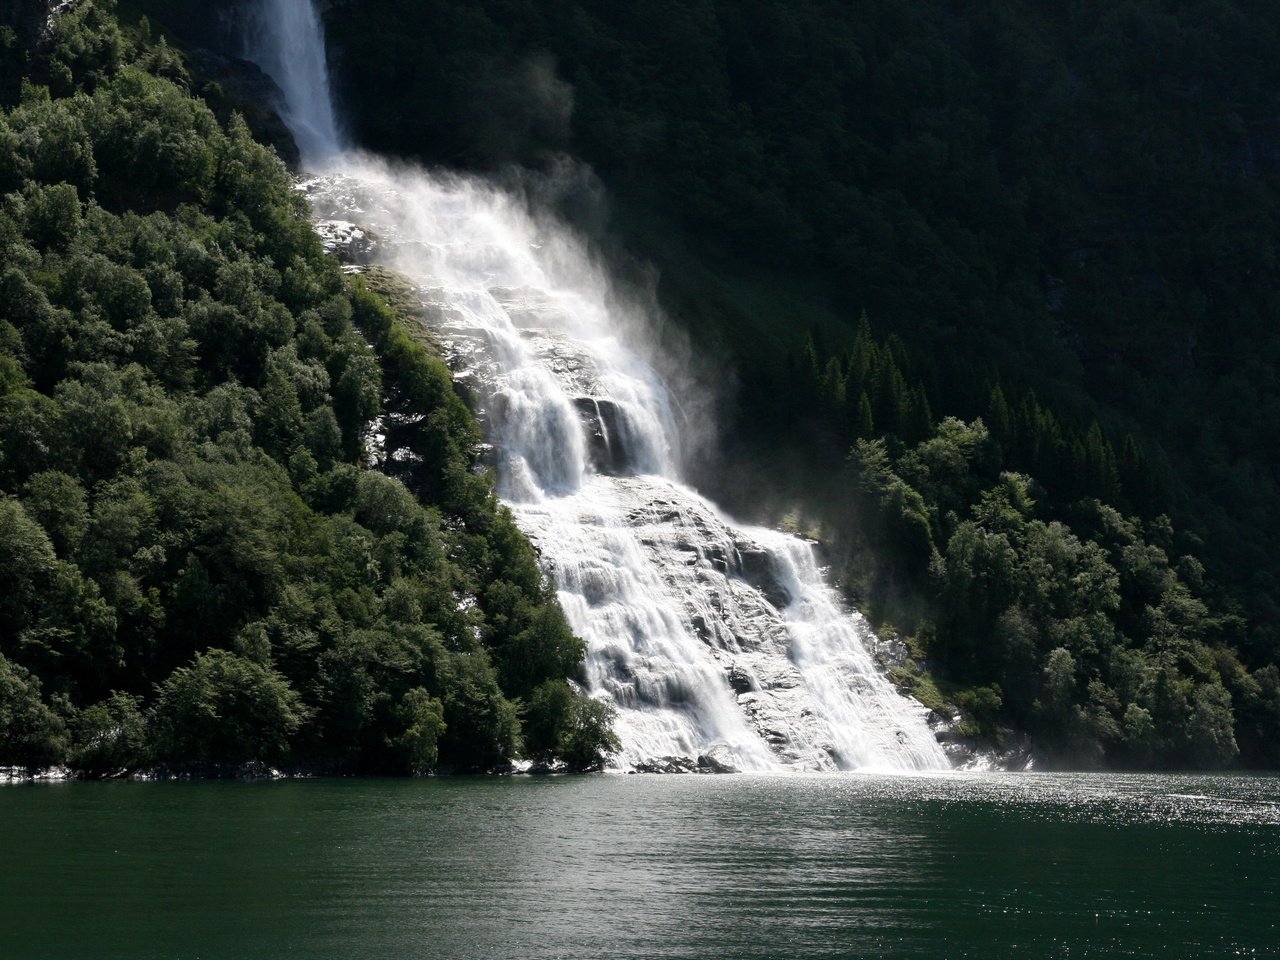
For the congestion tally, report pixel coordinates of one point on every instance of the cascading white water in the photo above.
(285, 38)
(712, 639)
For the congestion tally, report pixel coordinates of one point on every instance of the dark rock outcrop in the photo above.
(757, 569)
(29, 18)
(740, 680)
(716, 760)
(604, 436)
(667, 765)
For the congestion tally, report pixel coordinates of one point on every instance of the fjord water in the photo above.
(751, 866)
(710, 637)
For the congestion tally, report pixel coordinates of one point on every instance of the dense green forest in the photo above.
(198, 562)
(1036, 604)
(1062, 224)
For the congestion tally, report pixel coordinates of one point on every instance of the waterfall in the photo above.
(286, 39)
(712, 639)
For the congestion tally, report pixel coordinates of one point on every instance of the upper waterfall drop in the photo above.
(286, 39)
(714, 640)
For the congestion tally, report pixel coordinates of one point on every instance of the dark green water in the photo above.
(614, 866)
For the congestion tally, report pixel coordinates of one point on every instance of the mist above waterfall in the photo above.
(713, 640)
(521, 108)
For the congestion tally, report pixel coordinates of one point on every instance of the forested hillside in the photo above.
(241, 516)
(997, 285)
(1061, 221)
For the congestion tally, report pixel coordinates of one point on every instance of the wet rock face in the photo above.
(350, 243)
(972, 753)
(603, 427)
(732, 599)
(667, 765)
(740, 680)
(28, 18)
(717, 760)
(758, 569)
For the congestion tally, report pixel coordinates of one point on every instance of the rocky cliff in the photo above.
(30, 18)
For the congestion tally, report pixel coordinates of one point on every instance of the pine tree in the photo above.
(890, 396)
(918, 421)
(1000, 417)
(864, 424)
(1100, 465)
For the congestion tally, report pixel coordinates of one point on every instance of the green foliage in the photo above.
(1052, 618)
(423, 718)
(545, 715)
(226, 709)
(31, 734)
(196, 562)
(980, 707)
(1037, 606)
(110, 737)
(562, 722)
(588, 739)
(484, 726)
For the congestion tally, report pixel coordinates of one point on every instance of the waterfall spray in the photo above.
(713, 639)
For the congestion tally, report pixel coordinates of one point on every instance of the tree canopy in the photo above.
(207, 555)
